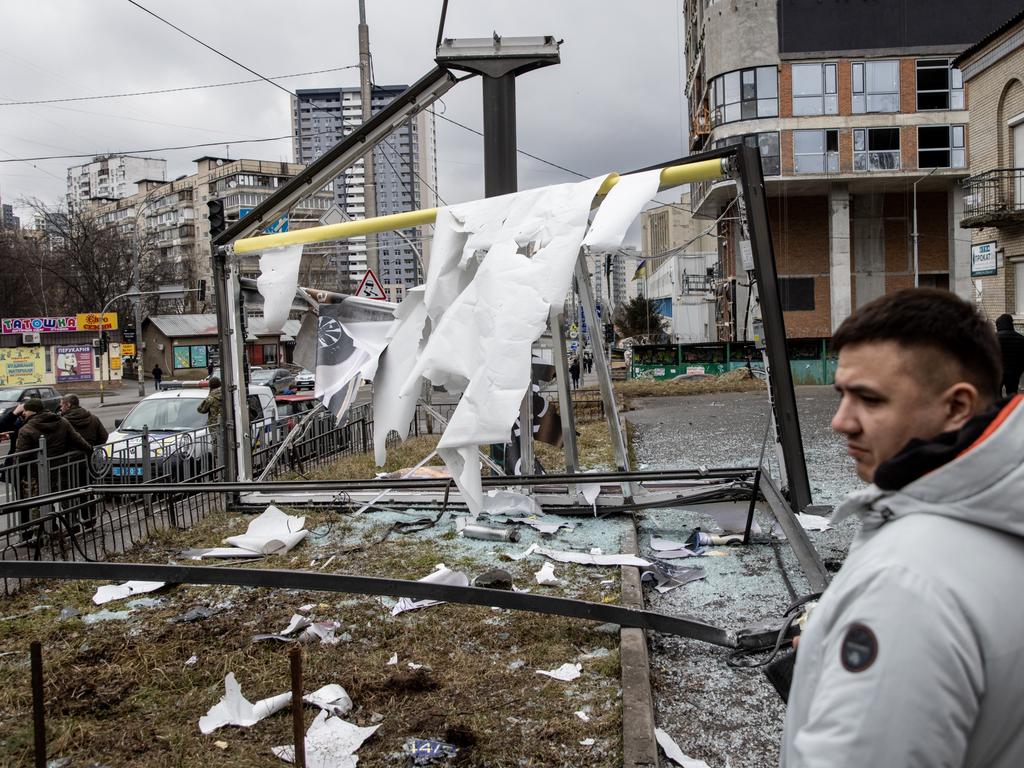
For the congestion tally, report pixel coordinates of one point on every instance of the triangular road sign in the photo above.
(370, 287)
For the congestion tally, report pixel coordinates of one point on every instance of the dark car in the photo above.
(11, 396)
(280, 380)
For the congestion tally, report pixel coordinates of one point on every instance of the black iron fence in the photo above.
(994, 194)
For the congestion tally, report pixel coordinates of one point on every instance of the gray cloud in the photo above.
(614, 103)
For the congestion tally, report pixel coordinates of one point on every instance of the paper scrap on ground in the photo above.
(235, 709)
(441, 575)
(110, 592)
(219, 552)
(511, 503)
(332, 698)
(733, 519)
(661, 545)
(679, 554)
(393, 660)
(582, 558)
(522, 555)
(582, 715)
(546, 576)
(814, 522)
(485, 322)
(308, 630)
(587, 743)
(277, 283)
(271, 533)
(547, 528)
(330, 743)
(565, 673)
(674, 753)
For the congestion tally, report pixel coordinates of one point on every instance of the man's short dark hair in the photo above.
(71, 399)
(933, 320)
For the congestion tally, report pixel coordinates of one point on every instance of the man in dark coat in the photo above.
(574, 372)
(85, 423)
(1011, 345)
(158, 374)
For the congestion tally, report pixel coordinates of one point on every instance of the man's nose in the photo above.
(844, 421)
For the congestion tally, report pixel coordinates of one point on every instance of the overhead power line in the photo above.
(169, 90)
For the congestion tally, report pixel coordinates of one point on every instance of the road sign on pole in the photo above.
(371, 288)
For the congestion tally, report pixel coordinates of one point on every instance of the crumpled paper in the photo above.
(330, 743)
(271, 533)
(566, 673)
(235, 709)
(442, 575)
(110, 592)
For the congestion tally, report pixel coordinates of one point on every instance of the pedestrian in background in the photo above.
(213, 407)
(209, 369)
(158, 375)
(87, 424)
(574, 372)
(1011, 347)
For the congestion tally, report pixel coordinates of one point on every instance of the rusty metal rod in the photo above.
(38, 712)
(298, 726)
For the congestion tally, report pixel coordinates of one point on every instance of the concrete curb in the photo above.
(639, 745)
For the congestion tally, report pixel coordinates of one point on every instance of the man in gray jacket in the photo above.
(914, 655)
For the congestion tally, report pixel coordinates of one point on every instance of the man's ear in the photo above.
(961, 402)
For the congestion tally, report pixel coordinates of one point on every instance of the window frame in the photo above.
(865, 134)
(737, 95)
(829, 158)
(955, 99)
(955, 147)
(828, 100)
(865, 94)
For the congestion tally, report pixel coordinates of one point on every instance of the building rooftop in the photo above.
(1002, 28)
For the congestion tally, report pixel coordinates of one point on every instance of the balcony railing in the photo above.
(993, 197)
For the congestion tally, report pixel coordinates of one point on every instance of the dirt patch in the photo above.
(738, 380)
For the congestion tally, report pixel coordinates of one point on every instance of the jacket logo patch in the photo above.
(859, 649)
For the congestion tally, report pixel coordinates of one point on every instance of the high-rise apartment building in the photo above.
(110, 177)
(863, 128)
(405, 175)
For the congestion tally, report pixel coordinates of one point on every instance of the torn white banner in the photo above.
(277, 283)
(484, 333)
(392, 410)
(674, 753)
(620, 207)
(442, 575)
(565, 673)
(235, 709)
(110, 592)
(511, 503)
(590, 492)
(271, 533)
(330, 743)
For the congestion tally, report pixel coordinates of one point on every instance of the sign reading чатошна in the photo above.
(86, 321)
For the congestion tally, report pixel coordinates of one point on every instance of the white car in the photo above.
(178, 436)
(305, 380)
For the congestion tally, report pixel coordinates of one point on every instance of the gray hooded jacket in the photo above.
(915, 654)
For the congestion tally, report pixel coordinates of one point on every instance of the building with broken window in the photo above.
(862, 124)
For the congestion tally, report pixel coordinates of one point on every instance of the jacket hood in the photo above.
(46, 422)
(76, 414)
(983, 485)
(1004, 323)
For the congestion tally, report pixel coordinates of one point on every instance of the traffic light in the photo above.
(216, 216)
(202, 291)
(104, 342)
(609, 333)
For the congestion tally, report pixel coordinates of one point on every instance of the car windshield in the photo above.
(9, 395)
(261, 376)
(168, 414)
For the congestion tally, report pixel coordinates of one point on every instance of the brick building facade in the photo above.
(994, 216)
(860, 123)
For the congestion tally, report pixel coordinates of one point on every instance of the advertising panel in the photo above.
(94, 321)
(22, 365)
(983, 259)
(38, 324)
(74, 364)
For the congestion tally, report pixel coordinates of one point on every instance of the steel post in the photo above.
(500, 170)
(780, 378)
(38, 708)
(226, 328)
(565, 409)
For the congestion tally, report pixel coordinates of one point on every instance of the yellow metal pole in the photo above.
(673, 176)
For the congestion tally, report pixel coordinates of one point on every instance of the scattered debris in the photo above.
(582, 715)
(470, 530)
(308, 631)
(590, 492)
(425, 751)
(235, 709)
(496, 578)
(271, 533)
(413, 665)
(330, 743)
(220, 744)
(512, 503)
(332, 698)
(597, 653)
(198, 613)
(565, 673)
(110, 592)
(667, 576)
(106, 615)
(733, 519)
(442, 575)
(587, 743)
(699, 539)
(393, 660)
(546, 576)
(674, 753)
(68, 613)
(192, 661)
(517, 664)
(582, 558)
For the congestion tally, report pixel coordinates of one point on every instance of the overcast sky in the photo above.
(614, 103)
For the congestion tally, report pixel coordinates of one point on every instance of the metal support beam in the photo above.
(371, 585)
(236, 393)
(565, 409)
(604, 373)
(500, 169)
(810, 562)
(780, 379)
(226, 330)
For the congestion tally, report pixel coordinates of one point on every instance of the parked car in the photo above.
(280, 380)
(11, 396)
(294, 405)
(305, 380)
(179, 442)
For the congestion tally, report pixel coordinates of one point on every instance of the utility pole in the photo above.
(366, 97)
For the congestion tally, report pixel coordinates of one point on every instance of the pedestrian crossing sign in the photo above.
(370, 287)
